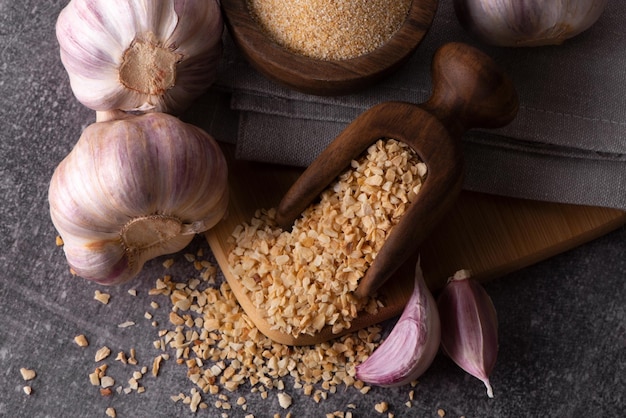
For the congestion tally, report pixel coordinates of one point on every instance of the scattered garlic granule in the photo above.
(381, 407)
(28, 374)
(228, 350)
(102, 353)
(102, 297)
(94, 379)
(222, 349)
(132, 358)
(284, 400)
(156, 365)
(107, 381)
(121, 356)
(81, 340)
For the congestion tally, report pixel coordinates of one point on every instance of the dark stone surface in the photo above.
(562, 321)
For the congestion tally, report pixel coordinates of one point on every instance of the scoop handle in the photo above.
(469, 90)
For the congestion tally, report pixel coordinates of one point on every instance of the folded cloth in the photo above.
(567, 143)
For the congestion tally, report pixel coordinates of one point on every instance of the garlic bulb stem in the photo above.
(108, 115)
(411, 345)
(470, 326)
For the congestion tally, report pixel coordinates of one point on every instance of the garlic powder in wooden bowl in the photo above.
(330, 30)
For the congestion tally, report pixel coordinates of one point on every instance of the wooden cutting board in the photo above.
(489, 235)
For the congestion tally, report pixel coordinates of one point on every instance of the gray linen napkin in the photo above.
(567, 144)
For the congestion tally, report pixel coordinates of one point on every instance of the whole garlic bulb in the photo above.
(529, 22)
(133, 189)
(140, 54)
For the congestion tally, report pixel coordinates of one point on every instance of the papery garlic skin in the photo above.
(518, 23)
(412, 344)
(133, 189)
(469, 326)
(141, 55)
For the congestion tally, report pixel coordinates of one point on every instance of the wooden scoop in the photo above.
(469, 91)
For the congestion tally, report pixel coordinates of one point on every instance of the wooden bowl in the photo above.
(319, 77)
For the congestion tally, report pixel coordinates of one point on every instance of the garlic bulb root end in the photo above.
(144, 58)
(145, 232)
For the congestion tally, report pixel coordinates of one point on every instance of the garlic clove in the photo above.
(133, 189)
(470, 326)
(528, 23)
(140, 55)
(411, 345)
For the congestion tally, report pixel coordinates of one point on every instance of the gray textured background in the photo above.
(562, 321)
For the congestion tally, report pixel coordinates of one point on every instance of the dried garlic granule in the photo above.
(102, 353)
(102, 297)
(28, 374)
(81, 340)
(284, 400)
(330, 30)
(224, 349)
(381, 407)
(303, 280)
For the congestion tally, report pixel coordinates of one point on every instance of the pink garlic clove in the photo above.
(469, 326)
(411, 345)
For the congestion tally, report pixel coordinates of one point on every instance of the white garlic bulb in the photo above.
(133, 189)
(140, 54)
(527, 23)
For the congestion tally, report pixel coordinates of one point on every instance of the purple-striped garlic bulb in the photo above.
(140, 54)
(133, 189)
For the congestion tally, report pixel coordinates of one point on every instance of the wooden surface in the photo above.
(489, 235)
(319, 77)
